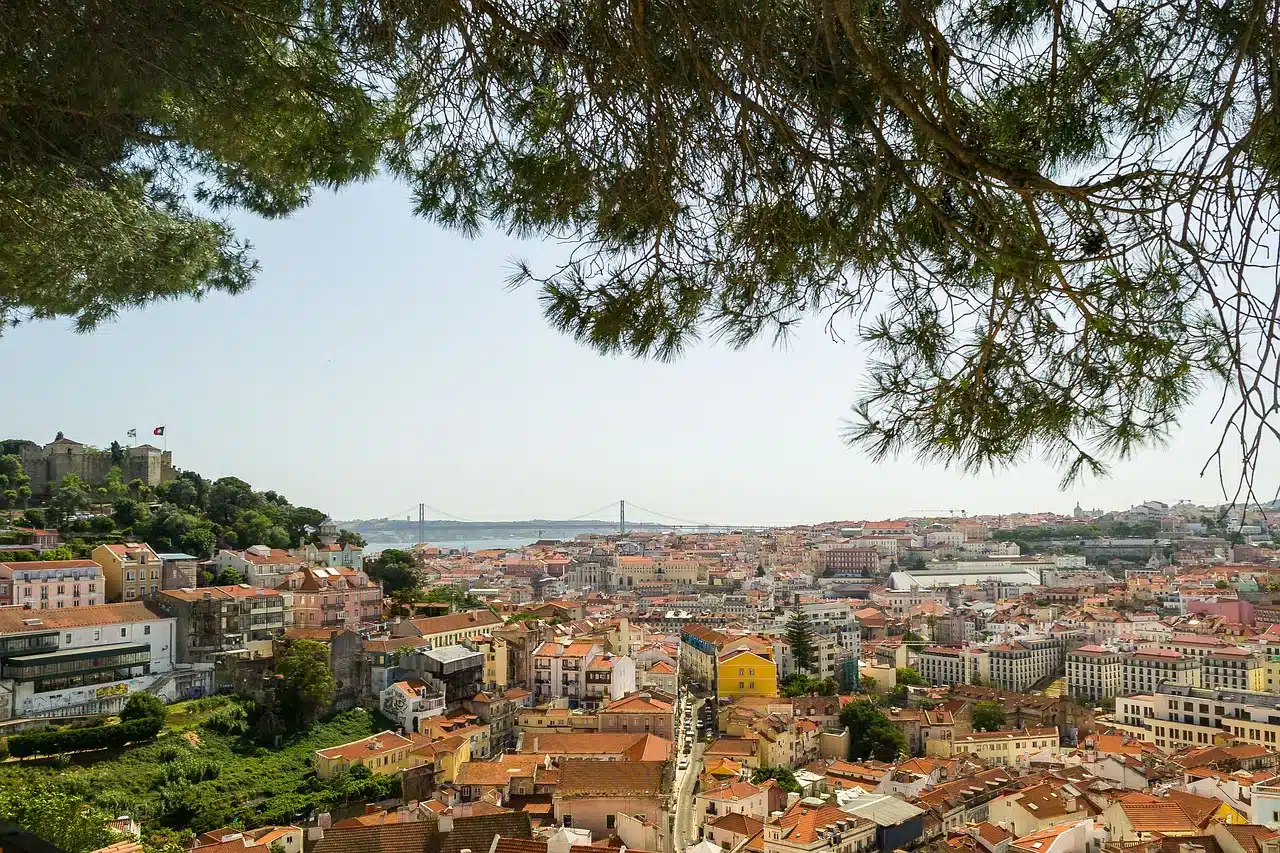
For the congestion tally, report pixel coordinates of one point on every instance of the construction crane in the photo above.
(937, 513)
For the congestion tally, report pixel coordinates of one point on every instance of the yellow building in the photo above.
(385, 752)
(130, 571)
(1233, 668)
(741, 672)
(496, 653)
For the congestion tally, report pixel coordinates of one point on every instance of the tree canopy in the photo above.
(870, 732)
(1050, 223)
(800, 639)
(988, 716)
(307, 685)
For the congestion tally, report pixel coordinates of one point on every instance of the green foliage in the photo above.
(350, 537)
(871, 733)
(229, 576)
(230, 720)
(783, 776)
(306, 686)
(254, 786)
(908, 677)
(62, 552)
(988, 716)
(34, 518)
(144, 706)
(15, 485)
(72, 496)
(799, 684)
(396, 569)
(53, 741)
(912, 637)
(800, 639)
(65, 821)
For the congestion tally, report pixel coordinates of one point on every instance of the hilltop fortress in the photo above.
(47, 465)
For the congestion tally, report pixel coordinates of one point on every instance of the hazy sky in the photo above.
(380, 361)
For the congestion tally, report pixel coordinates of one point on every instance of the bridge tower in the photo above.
(622, 518)
(422, 523)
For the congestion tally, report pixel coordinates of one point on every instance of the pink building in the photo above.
(1232, 610)
(332, 597)
(49, 584)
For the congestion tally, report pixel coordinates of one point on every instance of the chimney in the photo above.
(535, 744)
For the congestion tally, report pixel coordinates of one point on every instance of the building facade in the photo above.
(132, 570)
(1019, 664)
(942, 666)
(1094, 672)
(52, 584)
(1143, 671)
(216, 620)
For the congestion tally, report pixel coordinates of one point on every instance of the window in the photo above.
(146, 630)
(609, 821)
(128, 575)
(67, 638)
(97, 634)
(568, 819)
(124, 632)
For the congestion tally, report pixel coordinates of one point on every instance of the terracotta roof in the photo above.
(802, 823)
(1249, 836)
(384, 838)
(19, 620)
(662, 668)
(1043, 801)
(1012, 734)
(476, 832)
(38, 565)
(1160, 816)
(1198, 809)
(637, 703)
(221, 592)
(384, 741)
(992, 834)
(737, 823)
(520, 845)
(1038, 842)
(732, 792)
(431, 625)
(585, 778)
(651, 746)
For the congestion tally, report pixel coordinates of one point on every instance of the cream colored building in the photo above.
(1094, 672)
(1233, 668)
(1001, 749)
(1143, 671)
(1192, 716)
(130, 571)
(941, 666)
(678, 570)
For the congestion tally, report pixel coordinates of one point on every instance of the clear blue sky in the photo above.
(380, 361)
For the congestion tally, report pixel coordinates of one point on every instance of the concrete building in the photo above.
(178, 571)
(850, 561)
(1233, 668)
(639, 712)
(1094, 672)
(1019, 664)
(259, 565)
(216, 620)
(941, 666)
(1143, 671)
(132, 570)
(447, 630)
(560, 670)
(1002, 749)
(52, 584)
(333, 597)
(1184, 715)
(88, 660)
(742, 671)
(608, 677)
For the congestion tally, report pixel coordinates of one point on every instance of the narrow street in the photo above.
(686, 824)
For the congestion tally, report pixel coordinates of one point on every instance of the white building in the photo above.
(1094, 672)
(89, 659)
(260, 565)
(1019, 664)
(559, 671)
(408, 702)
(940, 666)
(1145, 670)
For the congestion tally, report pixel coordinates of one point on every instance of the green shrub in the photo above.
(52, 741)
(230, 720)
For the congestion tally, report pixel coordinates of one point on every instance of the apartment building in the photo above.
(829, 653)
(559, 671)
(333, 597)
(699, 650)
(1094, 672)
(1002, 749)
(635, 572)
(88, 660)
(1018, 665)
(609, 677)
(941, 666)
(447, 630)
(215, 620)
(743, 671)
(1143, 671)
(132, 570)
(1233, 668)
(814, 826)
(260, 565)
(1193, 645)
(1185, 715)
(848, 561)
(52, 584)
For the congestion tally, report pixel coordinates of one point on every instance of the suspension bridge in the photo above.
(647, 519)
